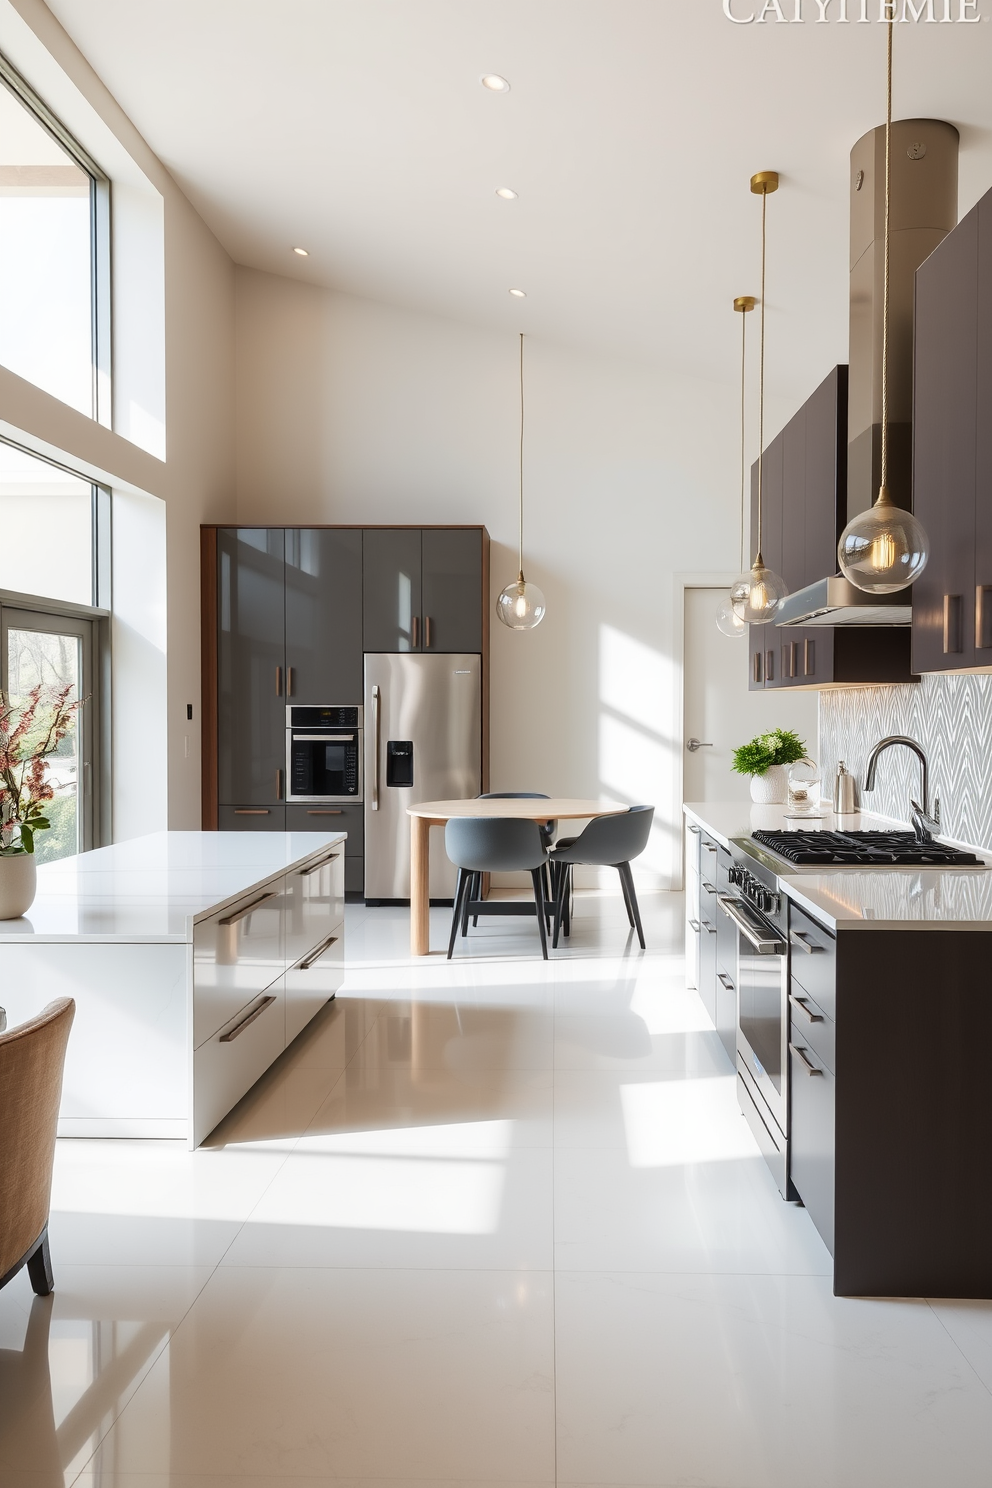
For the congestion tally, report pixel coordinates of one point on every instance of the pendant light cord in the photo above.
(884, 491)
(520, 574)
(758, 562)
(743, 554)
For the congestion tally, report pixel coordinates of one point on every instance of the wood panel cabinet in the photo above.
(804, 513)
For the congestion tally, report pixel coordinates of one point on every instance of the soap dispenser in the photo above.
(845, 791)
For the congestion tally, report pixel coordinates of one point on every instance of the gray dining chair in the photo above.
(608, 842)
(491, 844)
(474, 896)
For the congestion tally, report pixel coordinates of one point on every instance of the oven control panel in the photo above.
(753, 890)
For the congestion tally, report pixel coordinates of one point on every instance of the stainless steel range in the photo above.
(863, 849)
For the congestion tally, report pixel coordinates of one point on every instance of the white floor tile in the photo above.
(970, 1325)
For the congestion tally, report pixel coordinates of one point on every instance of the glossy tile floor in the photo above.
(492, 1222)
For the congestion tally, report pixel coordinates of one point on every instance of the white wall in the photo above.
(351, 411)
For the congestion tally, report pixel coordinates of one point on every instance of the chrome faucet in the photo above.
(924, 822)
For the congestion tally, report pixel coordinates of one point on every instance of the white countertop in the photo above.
(151, 889)
(846, 898)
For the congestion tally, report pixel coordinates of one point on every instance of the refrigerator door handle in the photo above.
(375, 749)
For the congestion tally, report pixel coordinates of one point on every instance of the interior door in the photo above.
(57, 651)
(719, 710)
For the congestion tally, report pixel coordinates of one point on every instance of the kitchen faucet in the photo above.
(924, 823)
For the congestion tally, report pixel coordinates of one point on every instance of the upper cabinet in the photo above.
(323, 615)
(952, 449)
(804, 500)
(424, 589)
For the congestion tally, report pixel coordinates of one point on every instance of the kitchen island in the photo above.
(856, 1004)
(194, 959)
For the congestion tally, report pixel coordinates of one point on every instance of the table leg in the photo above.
(420, 903)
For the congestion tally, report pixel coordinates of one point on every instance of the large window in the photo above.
(54, 215)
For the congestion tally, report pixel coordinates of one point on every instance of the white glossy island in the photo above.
(194, 959)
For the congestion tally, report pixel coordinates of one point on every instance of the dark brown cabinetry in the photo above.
(891, 1108)
(804, 501)
(952, 448)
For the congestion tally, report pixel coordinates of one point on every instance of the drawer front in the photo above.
(314, 902)
(726, 1012)
(810, 1024)
(813, 959)
(811, 1137)
(236, 955)
(344, 818)
(252, 818)
(228, 1064)
(314, 980)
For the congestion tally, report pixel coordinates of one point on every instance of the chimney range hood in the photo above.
(923, 211)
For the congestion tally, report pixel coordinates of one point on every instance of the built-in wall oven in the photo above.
(759, 913)
(324, 754)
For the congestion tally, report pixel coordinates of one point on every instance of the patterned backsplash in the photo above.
(950, 716)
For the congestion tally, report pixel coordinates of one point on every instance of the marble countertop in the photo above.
(152, 889)
(846, 898)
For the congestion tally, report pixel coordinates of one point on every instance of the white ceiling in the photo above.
(359, 129)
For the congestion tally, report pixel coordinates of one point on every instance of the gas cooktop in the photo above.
(869, 849)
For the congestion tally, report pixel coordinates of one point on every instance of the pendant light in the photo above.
(757, 594)
(520, 605)
(728, 622)
(884, 548)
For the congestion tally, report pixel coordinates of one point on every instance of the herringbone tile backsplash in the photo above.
(950, 716)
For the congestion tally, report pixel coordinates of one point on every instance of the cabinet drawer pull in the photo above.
(756, 666)
(316, 867)
(807, 1012)
(709, 888)
(953, 628)
(725, 981)
(801, 939)
(239, 914)
(808, 1067)
(427, 632)
(983, 617)
(327, 811)
(239, 1028)
(415, 641)
(696, 830)
(694, 925)
(251, 810)
(278, 681)
(769, 666)
(316, 953)
(809, 658)
(289, 681)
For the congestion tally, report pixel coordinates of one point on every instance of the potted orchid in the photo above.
(31, 729)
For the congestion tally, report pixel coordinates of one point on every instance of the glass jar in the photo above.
(804, 789)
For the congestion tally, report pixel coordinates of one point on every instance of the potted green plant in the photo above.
(31, 729)
(766, 759)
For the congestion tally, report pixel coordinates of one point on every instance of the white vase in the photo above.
(771, 788)
(18, 884)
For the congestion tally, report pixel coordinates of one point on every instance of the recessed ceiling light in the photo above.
(506, 192)
(495, 83)
(519, 294)
(302, 252)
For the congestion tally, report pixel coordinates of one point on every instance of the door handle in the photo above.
(693, 744)
(808, 1067)
(375, 749)
(239, 1028)
(763, 944)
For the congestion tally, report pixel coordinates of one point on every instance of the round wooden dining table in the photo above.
(427, 814)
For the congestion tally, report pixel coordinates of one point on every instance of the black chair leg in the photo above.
(561, 879)
(476, 895)
(40, 1268)
(626, 898)
(474, 890)
(537, 878)
(628, 879)
(461, 897)
(569, 869)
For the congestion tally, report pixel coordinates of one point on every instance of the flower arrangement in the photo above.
(780, 747)
(31, 729)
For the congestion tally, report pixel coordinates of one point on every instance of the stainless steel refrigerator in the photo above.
(423, 742)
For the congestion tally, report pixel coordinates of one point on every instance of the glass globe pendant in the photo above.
(765, 592)
(885, 548)
(520, 605)
(729, 621)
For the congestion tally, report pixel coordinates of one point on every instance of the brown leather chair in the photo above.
(32, 1057)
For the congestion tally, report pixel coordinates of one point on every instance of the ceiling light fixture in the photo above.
(728, 621)
(506, 192)
(520, 605)
(303, 252)
(884, 548)
(495, 83)
(519, 294)
(756, 595)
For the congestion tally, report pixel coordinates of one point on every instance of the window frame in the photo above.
(101, 330)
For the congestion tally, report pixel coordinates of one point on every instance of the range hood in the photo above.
(923, 211)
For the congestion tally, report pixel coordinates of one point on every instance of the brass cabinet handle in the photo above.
(756, 666)
(801, 939)
(289, 681)
(427, 632)
(316, 867)
(952, 623)
(251, 810)
(239, 1028)
(809, 658)
(769, 666)
(808, 1067)
(278, 681)
(326, 811)
(316, 953)
(239, 914)
(807, 1012)
(983, 617)
(415, 642)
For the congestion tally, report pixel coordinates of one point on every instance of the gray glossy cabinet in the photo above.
(323, 577)
(255, 819)
(423, 589)
(251, 661)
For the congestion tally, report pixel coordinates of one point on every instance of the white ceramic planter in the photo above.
(771, 788)
(18, 885)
